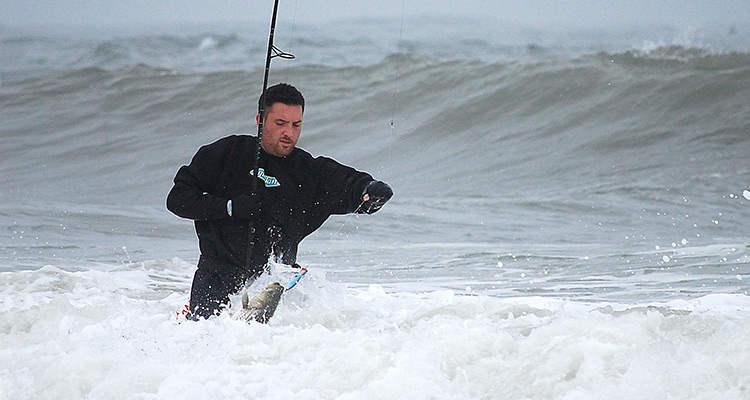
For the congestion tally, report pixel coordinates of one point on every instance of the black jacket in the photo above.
(297, 194)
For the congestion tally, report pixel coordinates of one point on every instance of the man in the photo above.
(240, 229)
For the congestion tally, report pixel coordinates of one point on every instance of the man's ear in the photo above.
(257, 119)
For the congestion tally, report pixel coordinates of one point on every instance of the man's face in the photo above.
(281, 129)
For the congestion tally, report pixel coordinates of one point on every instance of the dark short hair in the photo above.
(281, 93)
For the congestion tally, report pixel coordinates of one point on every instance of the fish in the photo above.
(261, 307)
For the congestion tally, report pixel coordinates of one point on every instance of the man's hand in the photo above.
(374, 196)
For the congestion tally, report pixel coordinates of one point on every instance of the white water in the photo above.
(117, 335)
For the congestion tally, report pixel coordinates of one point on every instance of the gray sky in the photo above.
(533, 12)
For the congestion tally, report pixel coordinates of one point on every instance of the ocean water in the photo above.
(571, 217)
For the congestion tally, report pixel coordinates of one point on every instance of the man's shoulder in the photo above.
(302, 154)
(326, 164)
(304, 161)
(327, 161)
(229, 142)
(235, 139)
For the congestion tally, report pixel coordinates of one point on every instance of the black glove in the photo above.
(245, 206)
(374, 196)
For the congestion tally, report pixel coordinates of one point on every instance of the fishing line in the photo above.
(393, 106)
(350, 216)
(395, 80)
(398, 64)
(291, 39)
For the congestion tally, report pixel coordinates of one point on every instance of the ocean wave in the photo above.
(668, 102)
(670, 56)
(350, 43)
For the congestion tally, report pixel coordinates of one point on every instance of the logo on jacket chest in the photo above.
(269, 181)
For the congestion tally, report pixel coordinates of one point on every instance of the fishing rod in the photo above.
(271, 53)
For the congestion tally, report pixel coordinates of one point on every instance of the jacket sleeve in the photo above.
(192, 195)
(342, 187)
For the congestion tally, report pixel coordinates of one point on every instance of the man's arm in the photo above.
(347, 190)
(190, 199)
(194, 195)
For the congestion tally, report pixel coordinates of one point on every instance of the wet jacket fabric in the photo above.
(297, 193)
